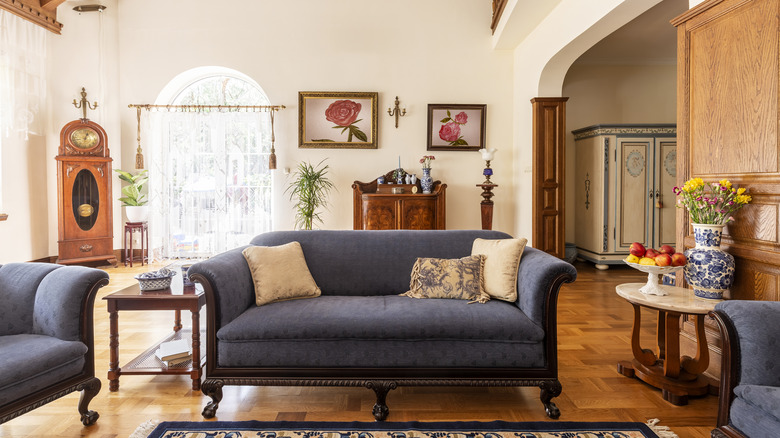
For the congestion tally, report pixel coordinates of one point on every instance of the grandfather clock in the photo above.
(84, 191)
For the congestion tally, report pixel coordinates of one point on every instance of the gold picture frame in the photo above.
(337, 120)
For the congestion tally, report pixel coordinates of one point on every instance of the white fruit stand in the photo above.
(652, 287)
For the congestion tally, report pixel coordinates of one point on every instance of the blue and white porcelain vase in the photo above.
(426, 181)
(710, 270)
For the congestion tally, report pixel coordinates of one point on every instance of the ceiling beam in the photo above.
(40, 12)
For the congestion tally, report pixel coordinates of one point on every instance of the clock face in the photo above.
(84, 138)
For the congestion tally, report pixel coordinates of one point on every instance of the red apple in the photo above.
(663, 260)
(651, 253)
(637, 249)
(667, 249)
(679, 259)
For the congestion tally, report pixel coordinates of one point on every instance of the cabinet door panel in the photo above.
(633, 191)
(666, 180)
(379, 214)
(418, 214)
(590, 193)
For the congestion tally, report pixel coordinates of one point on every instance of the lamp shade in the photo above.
(487, 154)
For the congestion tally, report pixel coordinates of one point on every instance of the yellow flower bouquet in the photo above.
(711, 203)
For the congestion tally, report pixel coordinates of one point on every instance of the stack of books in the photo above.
(174, 352)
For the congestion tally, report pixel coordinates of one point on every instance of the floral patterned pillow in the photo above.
(461, 279)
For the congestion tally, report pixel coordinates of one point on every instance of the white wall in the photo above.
(440, 53)
(611, 94)
(24, 235)
(436, 51)
(541, 62)
(29, 169)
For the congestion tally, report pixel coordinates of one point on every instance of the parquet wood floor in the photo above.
(593, 332)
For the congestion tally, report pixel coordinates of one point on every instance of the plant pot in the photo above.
(137, 213)
(710, 270)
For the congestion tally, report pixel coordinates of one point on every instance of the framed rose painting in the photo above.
(456, 127)
(342, 120)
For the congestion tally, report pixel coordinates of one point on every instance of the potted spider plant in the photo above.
(132, 199)
(309, 189)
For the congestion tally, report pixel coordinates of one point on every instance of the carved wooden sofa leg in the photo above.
(89, 390)
(550, 389)
(381, 388)
(213, 389)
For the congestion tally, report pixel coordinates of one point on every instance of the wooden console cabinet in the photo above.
(376, 207)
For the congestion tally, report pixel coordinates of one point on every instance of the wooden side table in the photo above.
(176, 298)
(677, 377)
(131, 227)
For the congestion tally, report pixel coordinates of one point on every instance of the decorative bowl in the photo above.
(155, 280)
(652, 287)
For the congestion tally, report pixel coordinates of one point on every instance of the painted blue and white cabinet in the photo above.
(624, 181)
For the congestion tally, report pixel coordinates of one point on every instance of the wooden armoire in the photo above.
(728, 65)
(624, 189)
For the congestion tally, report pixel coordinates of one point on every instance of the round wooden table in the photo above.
(677, 377)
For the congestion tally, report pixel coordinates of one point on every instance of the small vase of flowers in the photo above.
(426, 181)
(710, 270)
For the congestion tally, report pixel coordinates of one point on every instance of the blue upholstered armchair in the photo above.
(750, 377)
(46, 336)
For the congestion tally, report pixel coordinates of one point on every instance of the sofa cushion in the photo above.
(280, 273)
(377, 262)
(755, 410)
(32, 362)
(402, 330)
(18, 285)
(356, 353)
(460, 279)
(382, 317)
(762, 398)
(501, 262)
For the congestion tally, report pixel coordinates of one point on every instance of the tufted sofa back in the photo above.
(348, 262)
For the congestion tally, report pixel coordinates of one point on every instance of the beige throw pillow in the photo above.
(280, 273)
(501, 262)
(448, 278)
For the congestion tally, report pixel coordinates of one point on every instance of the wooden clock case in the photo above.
(84, 194)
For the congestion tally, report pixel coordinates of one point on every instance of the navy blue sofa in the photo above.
(360, 332)
(750, 375)
(47, 337)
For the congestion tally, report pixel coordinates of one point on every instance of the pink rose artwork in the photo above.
(344, 113)
(450, 130)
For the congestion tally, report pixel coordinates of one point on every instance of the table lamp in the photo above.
(487, 155)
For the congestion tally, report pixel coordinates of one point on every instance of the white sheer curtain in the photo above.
(210, 186)
(22, 79)
(22, 76)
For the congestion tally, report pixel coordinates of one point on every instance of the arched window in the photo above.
(210, 186)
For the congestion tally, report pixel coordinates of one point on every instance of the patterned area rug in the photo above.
(495, 429)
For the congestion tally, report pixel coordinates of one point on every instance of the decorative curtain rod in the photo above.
(196, 108)
(139, 157)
